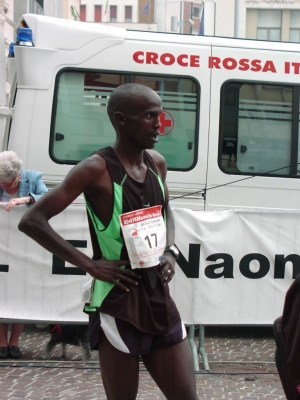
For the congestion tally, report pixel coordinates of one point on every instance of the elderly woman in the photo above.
(17, 186)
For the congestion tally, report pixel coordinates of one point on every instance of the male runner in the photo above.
(131, 311)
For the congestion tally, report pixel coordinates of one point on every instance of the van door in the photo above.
(181, 64)
(254, 129)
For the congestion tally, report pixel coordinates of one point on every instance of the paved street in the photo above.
(241, 367)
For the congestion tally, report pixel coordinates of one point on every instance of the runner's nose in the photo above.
(158, 123)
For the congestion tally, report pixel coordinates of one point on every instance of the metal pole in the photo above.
(180, 16)
(237, 19)
(209, 17)
(191, 17)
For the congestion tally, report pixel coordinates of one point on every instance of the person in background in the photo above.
(17, 187)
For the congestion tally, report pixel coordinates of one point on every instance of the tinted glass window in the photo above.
(80, 123)
(256, 129)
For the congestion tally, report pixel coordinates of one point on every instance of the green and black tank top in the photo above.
(148, 306)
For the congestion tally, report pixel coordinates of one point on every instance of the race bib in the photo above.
(144, 234)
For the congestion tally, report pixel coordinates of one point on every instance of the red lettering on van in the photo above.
(214, 62)
(195, 61)
(167, 59)
(137, 57)
(269, 67)
(255, 65)
(229, 63)
(181, 60)
(292, 68)
(296, 67)
(244, 64)
(287, 67)
(151, 58)
(184, 60)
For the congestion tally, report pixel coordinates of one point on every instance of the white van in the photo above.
(230, 135)
(230, 125)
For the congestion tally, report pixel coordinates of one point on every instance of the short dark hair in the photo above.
(119, 98)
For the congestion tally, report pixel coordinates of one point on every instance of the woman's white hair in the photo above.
(10, 166)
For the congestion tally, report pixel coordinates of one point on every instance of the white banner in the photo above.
(35, 286)
(235, 267)
(252, 248)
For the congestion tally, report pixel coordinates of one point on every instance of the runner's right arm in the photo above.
(35, 223)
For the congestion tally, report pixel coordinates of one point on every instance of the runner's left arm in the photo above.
(168, 261)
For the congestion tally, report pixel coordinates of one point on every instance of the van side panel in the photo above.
(255, 130)
(142, 61)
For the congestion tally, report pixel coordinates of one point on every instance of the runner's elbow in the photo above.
(26, 223)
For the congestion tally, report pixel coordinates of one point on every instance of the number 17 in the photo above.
(149, 242)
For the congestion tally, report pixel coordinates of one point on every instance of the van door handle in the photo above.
(59, 136)
(243, 148)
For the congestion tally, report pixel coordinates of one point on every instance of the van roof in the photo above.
(63, 34)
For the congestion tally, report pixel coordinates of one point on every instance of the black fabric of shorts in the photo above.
(137, 342)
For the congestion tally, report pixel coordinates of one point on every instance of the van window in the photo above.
(259, 129)
(80, 124)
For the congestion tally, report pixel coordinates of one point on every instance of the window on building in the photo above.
(295, 26)
(81, 125)
(82, 12)
(34, 7)
(269, 25)
(98, 13)
(259, 131)
(113, 13)
(128, 13)
(196, 12)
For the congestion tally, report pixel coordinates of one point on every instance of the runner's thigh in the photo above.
(173, 370)
(119, 371)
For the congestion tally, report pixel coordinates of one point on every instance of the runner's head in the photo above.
(127, 99)
(134, 111)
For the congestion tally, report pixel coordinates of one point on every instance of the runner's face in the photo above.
(143, 123)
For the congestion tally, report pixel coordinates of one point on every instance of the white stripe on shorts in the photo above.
(183, 330)
(108, 324)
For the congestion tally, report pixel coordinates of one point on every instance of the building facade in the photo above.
(8, 27)
(277, 20)
(67, 9)
(271, 20)
(183, 16)
(7, 22)
(129, 14)
(153, 15)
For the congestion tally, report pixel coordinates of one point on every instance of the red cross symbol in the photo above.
(167, 124)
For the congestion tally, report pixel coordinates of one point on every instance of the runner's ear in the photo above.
(120, 118)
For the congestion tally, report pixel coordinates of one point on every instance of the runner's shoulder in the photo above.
(87, 171)
(157, 157)
(159, 161)
(93, 164)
